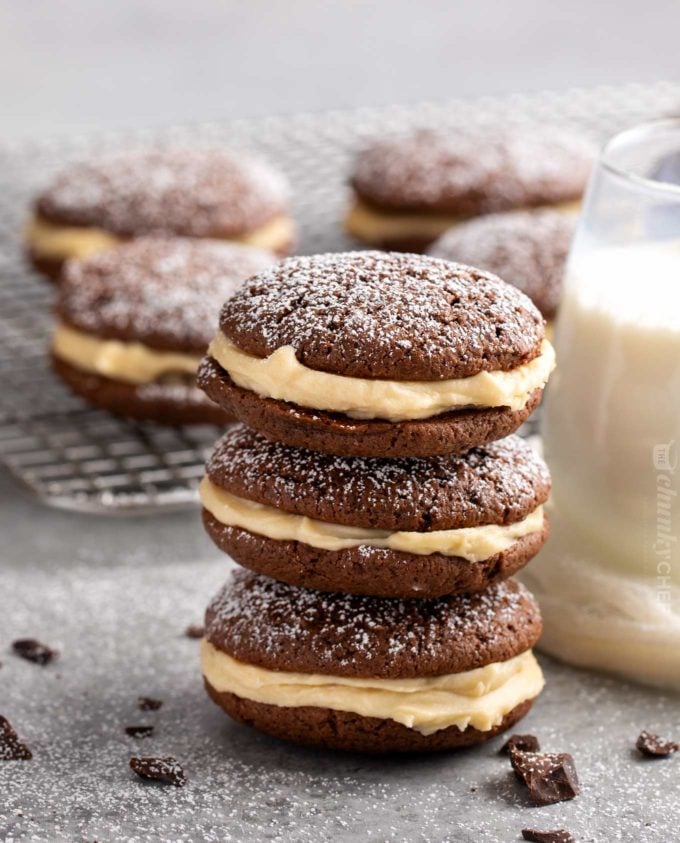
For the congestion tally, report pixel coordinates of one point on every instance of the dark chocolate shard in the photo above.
(139, 731)
(34, 651)
(560, 835)
(653, 746)
(194, 631)
(11, 748)
(549, 777)
(149, 703)
(167, 770)
(527, 743)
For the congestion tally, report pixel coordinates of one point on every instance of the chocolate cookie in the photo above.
(386, 527)
(526, 248)
(410, 189)
(166, 191)
(371, 674)
(373, 354)
(134, 321)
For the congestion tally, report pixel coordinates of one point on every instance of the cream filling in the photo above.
(478, 698)
(472, 543)
(374, 226)
(60, 242)
(283, 377)
(131, 362)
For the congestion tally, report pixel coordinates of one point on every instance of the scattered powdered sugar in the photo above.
(170, 190)
(385, 315)
(284, 626)
(163, 292)
(472, 172)
(497, 483)
(525, 248)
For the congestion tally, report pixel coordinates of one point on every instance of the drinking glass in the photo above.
(609, 579)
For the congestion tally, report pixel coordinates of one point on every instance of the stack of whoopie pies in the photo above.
(377, 501)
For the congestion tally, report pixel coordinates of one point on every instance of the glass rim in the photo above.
(638, 133)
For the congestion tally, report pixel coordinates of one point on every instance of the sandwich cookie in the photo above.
(134, 321)
(408, 190)
(386, 527)
(368, 674)
(528, 249)
(213, 193)
(374, 354)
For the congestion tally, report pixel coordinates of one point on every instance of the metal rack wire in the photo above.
(78, 458)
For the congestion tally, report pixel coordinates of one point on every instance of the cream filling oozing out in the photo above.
(477, 698)
(60, 242)
(281, 376)
(472, 543)
(131, 362)
(374, 226)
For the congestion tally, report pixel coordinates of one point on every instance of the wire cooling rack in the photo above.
(78, 458)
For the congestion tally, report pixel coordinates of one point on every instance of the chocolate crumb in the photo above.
(527, 743)
(194, 631)
(149, 703)
(34, 651)
(11, 748)
(653, 746)
(139, 731)
(549, 778)
(557, 836)
(159, 769)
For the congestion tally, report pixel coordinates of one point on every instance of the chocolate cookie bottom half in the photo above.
(335, 433)
(175, 402)
(368, 674)
(342, 730)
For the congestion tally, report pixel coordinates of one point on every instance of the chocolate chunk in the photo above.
(34, 651)
(527, 743)
(11, 748)
(149, 703)
(194, 631)
(549, 778)
(653, 746)
(159, 769)
(139, 731)
(558, 836)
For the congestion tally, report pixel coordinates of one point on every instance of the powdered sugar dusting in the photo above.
(283, 627)
(198, 192)
(526, 248)
(385, 315)
(470, 173)
(498, 483)
(165, 293)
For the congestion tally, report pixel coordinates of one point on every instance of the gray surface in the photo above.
(115, 597)
(81, 65)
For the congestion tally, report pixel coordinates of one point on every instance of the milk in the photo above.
(612, 430)
(608, 581)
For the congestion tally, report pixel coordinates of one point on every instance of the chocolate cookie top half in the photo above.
(165, 293)
(385, 315)
(192, 192)
(526, 248)
(473, 172)
(277, 626)
(500, 483)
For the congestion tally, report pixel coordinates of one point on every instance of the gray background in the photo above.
(115, 594)
(80, 64)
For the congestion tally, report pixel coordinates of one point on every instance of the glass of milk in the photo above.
(609, 579)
